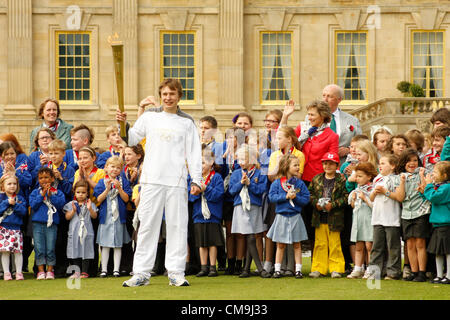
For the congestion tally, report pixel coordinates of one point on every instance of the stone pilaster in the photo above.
(125, 23)
(20, 60)
(231, 50)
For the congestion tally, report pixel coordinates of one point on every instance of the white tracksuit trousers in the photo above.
(154, 199)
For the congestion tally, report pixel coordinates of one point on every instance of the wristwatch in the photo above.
(387, 194)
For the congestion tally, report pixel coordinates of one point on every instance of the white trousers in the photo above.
(154, 199)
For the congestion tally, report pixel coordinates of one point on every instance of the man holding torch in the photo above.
(171, 142)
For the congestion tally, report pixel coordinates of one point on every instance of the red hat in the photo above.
(330, 156)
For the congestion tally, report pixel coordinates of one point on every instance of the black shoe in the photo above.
(202, 273)
(436, 280)
(213, 273)
(244, 274)
(265, 274)
(277, 275)
(116, 274)
(103, 274)
(421, 277)
(445, 280)
(411, 277)
(288, 273)
(298, 275)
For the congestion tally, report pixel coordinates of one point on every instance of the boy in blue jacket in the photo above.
(46, 203)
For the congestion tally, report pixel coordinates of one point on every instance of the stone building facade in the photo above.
(232, 55)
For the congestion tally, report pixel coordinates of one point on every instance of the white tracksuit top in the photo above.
(171, 142)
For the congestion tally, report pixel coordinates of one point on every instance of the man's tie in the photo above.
(333, 123)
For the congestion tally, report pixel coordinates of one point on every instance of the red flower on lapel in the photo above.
(351, 128)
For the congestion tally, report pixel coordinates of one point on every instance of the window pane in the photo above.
(276, 65)
(86, 95)
(62, 95)
(78, 73)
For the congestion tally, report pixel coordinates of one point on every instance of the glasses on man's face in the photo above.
(45, 138)
(270, 121)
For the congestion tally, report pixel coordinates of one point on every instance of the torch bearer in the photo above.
(117, 49)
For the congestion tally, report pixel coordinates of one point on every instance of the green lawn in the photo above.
(223, 288)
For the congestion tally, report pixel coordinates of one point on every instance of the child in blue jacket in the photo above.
(290, 195)
(13, 208)
(46, 203)
(112, 193)
(439, 196)
(247, 186)
(207, 215)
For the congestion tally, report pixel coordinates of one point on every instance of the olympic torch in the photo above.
(117, 49)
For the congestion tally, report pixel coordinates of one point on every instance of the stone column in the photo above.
(125, 21)
(231, 51)
(20, 61)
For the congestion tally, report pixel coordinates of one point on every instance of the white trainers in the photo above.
(336, 275)
(178, 282)
(355, 274)
(136, 280)
(367, 274)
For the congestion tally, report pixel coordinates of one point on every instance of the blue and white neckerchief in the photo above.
(112, 195)
(287, 185)
(9, 211)
(82, 213)
(245, 197)
(205, 209)
(51, 208)
(366, 190)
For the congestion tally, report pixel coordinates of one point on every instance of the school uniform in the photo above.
(439, 196)
(112, 232)
(415, 214)
(288, 226)
(247, 221)
(80, 245)
(11, 217)
(207, 225)
(44, 233)
(362, 229)
(386, 221)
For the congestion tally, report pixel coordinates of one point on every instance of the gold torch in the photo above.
(117, 49)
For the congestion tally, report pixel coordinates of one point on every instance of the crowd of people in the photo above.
(174, 199)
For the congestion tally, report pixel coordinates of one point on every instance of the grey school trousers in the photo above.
(386, 237)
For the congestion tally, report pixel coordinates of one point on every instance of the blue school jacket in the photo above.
(257, 187)
(277, 195)
(440, 204)
(214, 198)
(40, 209)
(103, 208)
(15, 220)
(102, 158)
(68, 158)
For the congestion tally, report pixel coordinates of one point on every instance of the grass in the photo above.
(223, 288)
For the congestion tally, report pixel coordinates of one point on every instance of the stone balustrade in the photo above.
(400, 114)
